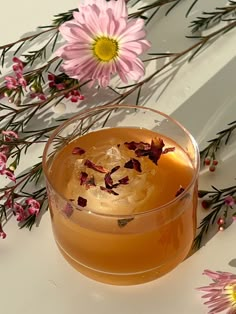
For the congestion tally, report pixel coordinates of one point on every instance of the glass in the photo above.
(119, 215)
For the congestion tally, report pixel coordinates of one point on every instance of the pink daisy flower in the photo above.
(101, 41)
(221, 294)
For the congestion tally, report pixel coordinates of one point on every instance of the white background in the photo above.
(34, 277)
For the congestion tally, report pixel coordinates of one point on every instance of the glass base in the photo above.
(129, 279)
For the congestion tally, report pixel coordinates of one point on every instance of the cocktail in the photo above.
(122, 189)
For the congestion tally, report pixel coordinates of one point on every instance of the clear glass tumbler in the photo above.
(122, 190)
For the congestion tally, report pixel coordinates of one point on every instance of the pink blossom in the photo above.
(102, 41)
(229, 200)
(9, 174)
(3, 160)
(221, 293)
(19, 80)
(52, 82)
(18, 66)
(2, 233)
(74, 96)
(34, 206)
(8, 203)
(22, 81)
(9, 135)
(21, 215)
(4, 149)
(11, 82)
(40, 96)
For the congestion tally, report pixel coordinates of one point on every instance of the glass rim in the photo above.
(121, 106)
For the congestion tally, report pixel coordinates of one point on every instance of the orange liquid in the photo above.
(99, 240)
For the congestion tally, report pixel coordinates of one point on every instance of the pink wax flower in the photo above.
(101, 41)
(33, 206)
(74, 96)
(9, 174)
(2, 233)
(3, 160)
(20, 213)
(52, 82)
(229, 200)
(11, 82)
(40, 96)
(10, 135)
(221, 293)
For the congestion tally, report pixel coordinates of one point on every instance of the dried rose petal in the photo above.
(81, 201)
(142, 152)
(110, 191)
(133, 164)
(90, 164)
(168, 150)
(123, 222)
(86, 180)
(83, 178)
(180, 191)
(114, 169)
(78, 151)
(108, 180)
(90, 182)
(156, 149)
(124, 180)
(137, 145)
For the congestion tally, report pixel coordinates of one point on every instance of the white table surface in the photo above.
(34, 277)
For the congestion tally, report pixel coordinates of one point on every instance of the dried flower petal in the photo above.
(168, 150)
(108, 180)
(153, 150)
(110, 191)
(114, 169)
(123, 222)
(93, 166)
(180, 191)
(78, 151)
(133, 164)
(156, 149)
(124, 180)
(82, 201)
(83, 177)
(90, 182)
(137, 145)
(86, 180)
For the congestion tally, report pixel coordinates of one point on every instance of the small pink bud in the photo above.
(220, 221)
(221, 228)
(215, 162)
(51, 77)
(207, 161)
(212, 168)
(229, 200)
(206, 204)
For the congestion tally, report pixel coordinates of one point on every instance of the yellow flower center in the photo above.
(231, 291)
(105, 49)
(234, 293)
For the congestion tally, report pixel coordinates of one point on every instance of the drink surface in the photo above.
(150, 244)
(153, 186)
